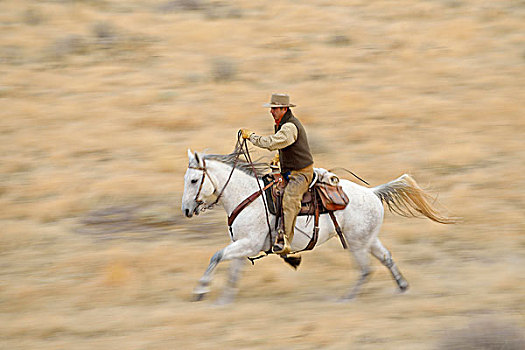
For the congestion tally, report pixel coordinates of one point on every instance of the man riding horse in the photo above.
(295, 159)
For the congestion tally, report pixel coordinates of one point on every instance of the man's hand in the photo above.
(246, 133)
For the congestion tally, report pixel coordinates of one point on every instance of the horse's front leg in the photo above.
(203, 287)
(230, 291)
(237, 250)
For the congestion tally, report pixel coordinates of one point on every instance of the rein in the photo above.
(240, 147)
(249, 160)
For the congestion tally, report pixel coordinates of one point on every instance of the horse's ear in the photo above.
(190, 155)
(198, 159)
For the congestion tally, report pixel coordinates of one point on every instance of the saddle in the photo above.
(324, 196)
(321, 198)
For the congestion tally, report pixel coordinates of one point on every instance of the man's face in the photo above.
(278, 112)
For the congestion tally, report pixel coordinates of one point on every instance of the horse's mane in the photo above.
(261, 168)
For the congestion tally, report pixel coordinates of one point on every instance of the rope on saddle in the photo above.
(348, 171)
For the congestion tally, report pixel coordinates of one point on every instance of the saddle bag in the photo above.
(333, 197)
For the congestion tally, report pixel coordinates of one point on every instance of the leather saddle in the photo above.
(319, 199)
(325, 197)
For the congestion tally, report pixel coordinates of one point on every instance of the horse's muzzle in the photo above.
(189, 213)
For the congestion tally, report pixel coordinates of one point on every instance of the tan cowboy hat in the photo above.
(279, 100)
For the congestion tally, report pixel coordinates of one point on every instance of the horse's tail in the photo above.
(404, 197)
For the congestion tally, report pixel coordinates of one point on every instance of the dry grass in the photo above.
(101, 99)
(485, 334)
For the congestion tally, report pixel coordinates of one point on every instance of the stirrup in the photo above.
(279, 245)
(281, 250)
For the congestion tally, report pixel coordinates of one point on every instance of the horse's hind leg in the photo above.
(362, 258)
(382, 254)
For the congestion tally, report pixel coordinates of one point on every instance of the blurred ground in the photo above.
(100, 100)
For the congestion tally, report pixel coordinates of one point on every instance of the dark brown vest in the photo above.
(297, 155)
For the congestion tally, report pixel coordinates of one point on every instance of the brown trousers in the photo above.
(298, 182)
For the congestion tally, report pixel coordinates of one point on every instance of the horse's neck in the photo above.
(240, 186)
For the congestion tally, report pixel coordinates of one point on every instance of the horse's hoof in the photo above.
(200, 291)
(403, 286)
(198, 296)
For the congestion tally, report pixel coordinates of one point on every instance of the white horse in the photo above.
(360, 220)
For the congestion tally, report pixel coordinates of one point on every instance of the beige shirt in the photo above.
(281, 139)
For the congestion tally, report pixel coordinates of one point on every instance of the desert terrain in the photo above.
(100, 100)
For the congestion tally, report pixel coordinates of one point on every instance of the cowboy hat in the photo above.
(279, 100)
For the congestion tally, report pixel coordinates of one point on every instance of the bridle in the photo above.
(205, 172)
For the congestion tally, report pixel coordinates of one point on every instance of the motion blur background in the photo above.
(100, 100)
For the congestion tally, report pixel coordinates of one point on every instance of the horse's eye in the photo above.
(194, 181)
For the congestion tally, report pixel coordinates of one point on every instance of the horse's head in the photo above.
(198, 186)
